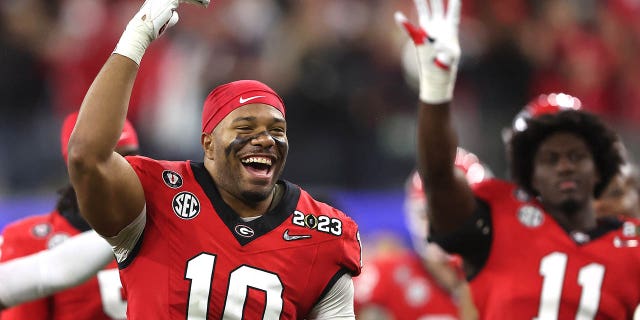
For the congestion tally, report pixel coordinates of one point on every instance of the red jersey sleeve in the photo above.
(351, 246)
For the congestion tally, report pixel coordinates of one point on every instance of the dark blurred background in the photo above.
(336, 63)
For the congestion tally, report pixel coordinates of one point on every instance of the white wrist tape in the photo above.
(148, 24)
(133, 43)
(436, 82)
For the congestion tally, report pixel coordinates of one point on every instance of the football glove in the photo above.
(437, 47)
(154, 17)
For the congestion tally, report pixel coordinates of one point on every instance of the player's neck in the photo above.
(246, 209)
(580, 219)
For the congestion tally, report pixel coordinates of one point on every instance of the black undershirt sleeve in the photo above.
(472, 240)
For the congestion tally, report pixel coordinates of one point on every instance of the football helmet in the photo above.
(542, 104)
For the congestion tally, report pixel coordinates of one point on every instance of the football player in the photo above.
(535, 245)
(46, 272)
(220, 239)
(423, 283)
(99, 297)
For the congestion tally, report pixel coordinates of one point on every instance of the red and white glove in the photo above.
(437, 46)
(154, 17)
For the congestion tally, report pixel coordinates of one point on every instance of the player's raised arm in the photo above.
(109, 193)
(438, 50)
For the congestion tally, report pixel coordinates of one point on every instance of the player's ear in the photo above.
(206, 139)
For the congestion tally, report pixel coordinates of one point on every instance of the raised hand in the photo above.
(154, 17)
(203, 3)
(437, 46)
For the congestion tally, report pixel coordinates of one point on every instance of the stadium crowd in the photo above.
(350, 81)
(337, 61)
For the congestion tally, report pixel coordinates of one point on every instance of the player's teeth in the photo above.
(266, 161)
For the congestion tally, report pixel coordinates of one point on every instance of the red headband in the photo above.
(128, 138)
(228, 97)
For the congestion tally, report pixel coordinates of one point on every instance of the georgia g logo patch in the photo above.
(172, 179)
(244, 231)
(186, 205)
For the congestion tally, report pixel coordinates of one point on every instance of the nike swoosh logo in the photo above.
(250, 98)
(286, 236)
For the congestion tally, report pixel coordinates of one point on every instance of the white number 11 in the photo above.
(552, 269)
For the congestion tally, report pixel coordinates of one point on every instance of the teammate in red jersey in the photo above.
(425, 283)
(49, 271)
(99, 297)
(535, 248)
(223, 239)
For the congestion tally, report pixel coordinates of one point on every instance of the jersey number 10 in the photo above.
(200, 270)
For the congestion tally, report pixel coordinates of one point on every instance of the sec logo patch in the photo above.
(530, 216)
(186, 205)
(41, 230)
(172, 179)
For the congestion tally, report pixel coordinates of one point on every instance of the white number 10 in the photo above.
(552, 268)
(200, 271)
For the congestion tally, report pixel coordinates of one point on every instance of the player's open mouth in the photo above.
(258, 165)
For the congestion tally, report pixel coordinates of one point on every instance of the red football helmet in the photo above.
(540, 105)
(415, 206)
(545, 104)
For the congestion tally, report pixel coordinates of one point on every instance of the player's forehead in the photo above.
(253, 113)
(562, 142)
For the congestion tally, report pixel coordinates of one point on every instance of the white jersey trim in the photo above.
(123, 243)
(337, 304)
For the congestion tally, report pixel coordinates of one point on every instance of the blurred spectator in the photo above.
(422, 283)
(347, 50)
(621, 197)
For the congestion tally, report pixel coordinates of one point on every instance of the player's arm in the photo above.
(47, 272)
(109, 192)
(438, 264)
(450, 199)
(337, 304)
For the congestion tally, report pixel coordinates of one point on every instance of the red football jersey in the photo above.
(98, 298)
(400, 285)
(197, 259)
(537, 270)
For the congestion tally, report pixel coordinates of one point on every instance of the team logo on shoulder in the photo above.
(41, 230)
(530, 216)
(244, 231)
(172, 179)
(521, 195)
(630, 229)
(321, 223)
(57, 239)
(186, 205)
(630, 234)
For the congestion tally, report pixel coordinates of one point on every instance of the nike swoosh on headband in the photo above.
(250, 98)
